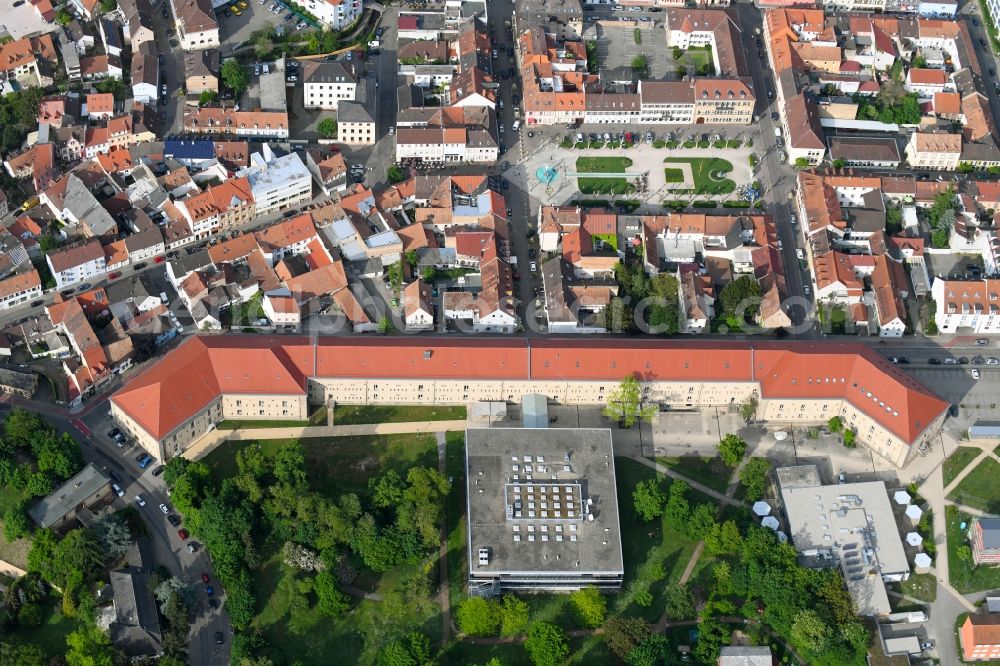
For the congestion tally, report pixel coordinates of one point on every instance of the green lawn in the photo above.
(964, 577)
(231, 424)
(340, 465)
(294, 630)
(920, 586)
(654, 556)
(958, 461)
(603, 164)
(50, 636)
(674, 175)
(710, 471)
(979, 489)
(358, 414)
(455, 515)
(702, 171)
(14, 552)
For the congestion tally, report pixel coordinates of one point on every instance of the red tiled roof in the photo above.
(190, 377)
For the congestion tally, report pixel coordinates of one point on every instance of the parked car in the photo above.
(114, 275)
(204, 578)
(183, 534)
(139, 500)
(173, 520)
(118, 490)
(934, 361)
(159, 470)
(975, 373)
(164, 509)
(213, 603)
(982, 342)
(218, 638)
(144, 460)
(192, 547)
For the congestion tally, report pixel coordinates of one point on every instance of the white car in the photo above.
(992, 360)
(533, 266)
(806, 289)
(975, 373)
(139, 500)
(164, 510)
(118, 490)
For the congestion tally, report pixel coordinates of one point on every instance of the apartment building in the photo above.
(276, 182)
(937, 151)
(19, 289)
(326, 83)
(196, 24)
(971, 304)
(206, 379)
(980, 637)
(337, 14)
(76, 263)
(229, 121)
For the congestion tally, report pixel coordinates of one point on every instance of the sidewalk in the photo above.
(207, 443)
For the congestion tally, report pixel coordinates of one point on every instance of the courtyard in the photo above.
(617, 46)
(702, 177)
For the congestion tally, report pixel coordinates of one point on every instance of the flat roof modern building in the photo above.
(542, 510)
(850, 525)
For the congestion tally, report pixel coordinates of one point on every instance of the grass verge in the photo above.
(965, 577)
(360, 414)
(979, 488)
(958, 461)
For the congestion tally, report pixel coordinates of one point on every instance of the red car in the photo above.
(159, 260)
(183, 534)
(115, 275)
(204, 578)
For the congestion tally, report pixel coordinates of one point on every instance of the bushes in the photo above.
(590, 606)
(478, 616)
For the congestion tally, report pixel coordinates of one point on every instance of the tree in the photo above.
(395, 174)
(172, 588)
(648, 499)
(615, 316)
(839, 164)
(732, 449)
(724, 539)
(623, 634)
(327, 128)
(679, 602)
(702, 521)
(89, 646)
(753, 476)
(625, 403)
(63, 17)
(112, 533)
(677, 510)
(16, 523)
(109, 5)
(639, 65)
(849, 438)
(590, 606)
(546, 644)
(749, 409)
(652, 651)
(712, 635)
(835, 424)
(741, 298)
(235, 76)
(21, 654)
(477, 616)
(263, 45)
(332, 602)
(207, 97)
(964, 553)
(810, 632)
(801, 162)
(412, 650)
(514, 614)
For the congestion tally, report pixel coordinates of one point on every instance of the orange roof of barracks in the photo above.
(187, 379)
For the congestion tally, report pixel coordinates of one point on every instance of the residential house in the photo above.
(228, 121)
(330, 172)
(201, 71)
(337, 14)
(76, 263)
(196, 25)
(145, 74)
(99, 106)
(937, 151)
(83, 493)
(325, 83)
(985, 538)
(418, 308)
(979, 636)
(19, 289)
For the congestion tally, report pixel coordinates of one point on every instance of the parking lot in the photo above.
(955, 265)
(616, 48)
(235, 30)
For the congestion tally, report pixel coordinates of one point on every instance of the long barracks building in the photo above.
(211, 378)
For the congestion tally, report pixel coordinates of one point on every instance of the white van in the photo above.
(777, 131)
(516, 125)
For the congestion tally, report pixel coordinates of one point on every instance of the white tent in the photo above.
(922, 562)
(913, 512)
(761, 508)
(914, 539)
(771, 522)
(901, 497)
